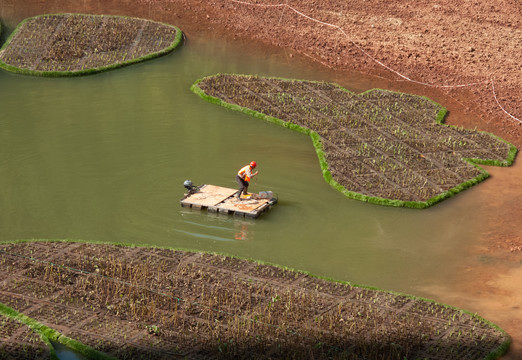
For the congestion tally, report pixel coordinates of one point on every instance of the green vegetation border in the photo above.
(47, 335)
(38, 328)
(50, 334)
(327, 175)
(174, 45)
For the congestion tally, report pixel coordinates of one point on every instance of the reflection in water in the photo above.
(232, 227)
(209, 226)
(201, 235)
(242, 232)
(65, 353)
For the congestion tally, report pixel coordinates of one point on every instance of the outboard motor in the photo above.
(191, 188)
(265, 195)
(269, 195)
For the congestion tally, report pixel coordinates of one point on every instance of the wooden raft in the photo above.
(223, 200)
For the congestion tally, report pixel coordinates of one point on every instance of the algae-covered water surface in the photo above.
(104, 157)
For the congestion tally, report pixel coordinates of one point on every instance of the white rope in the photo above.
(498, 102)
(374, 59)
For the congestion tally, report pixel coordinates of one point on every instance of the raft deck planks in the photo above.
(222, 200)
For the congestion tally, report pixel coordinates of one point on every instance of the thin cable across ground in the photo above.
(337, 27)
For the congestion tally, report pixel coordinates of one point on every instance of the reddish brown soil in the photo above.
(443, 43)
(447, 42)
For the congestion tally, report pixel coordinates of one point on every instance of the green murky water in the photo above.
(104, 157)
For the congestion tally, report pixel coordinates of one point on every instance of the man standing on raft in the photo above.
(243, 177)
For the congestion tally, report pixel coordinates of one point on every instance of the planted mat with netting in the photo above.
(74, 44)
(379, 146)
(133, 302)
(18, 341)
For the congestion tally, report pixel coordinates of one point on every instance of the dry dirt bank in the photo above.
(410, 43)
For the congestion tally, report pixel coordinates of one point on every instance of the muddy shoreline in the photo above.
(464, 53)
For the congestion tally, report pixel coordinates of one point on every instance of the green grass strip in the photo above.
(38, 328)
(47, 335)
(177, 41)
(316, 140)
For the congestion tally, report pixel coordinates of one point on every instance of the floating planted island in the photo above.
(153, 303)
(380, 146)
(78, 44)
